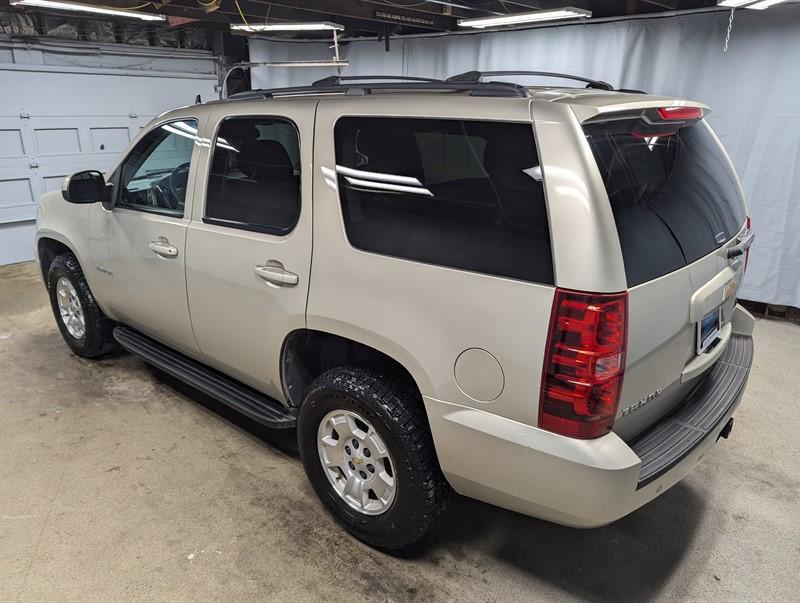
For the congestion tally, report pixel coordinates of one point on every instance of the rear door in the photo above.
(249, 244)
(678, 210)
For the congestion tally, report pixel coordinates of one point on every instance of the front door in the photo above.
(249, 243)
(140, 246)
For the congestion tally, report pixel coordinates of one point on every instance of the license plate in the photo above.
(708, 329)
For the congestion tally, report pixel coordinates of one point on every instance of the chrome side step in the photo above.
(249, 402)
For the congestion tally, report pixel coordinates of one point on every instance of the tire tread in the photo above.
(401, 404)
(98, 339)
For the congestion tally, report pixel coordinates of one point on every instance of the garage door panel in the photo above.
(16, 145)
(53, 183)
(16, 200)
(11, 144)
(109, 139)
(57, 141)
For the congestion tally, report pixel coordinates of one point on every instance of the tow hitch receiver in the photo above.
(726, 431)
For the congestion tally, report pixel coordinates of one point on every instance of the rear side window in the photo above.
(255, 175)
(461, 194)
(674, 195)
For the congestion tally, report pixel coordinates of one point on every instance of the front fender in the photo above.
(67, 223)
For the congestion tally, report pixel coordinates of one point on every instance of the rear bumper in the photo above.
(585, 483)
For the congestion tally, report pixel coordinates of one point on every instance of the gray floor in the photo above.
(115, 485)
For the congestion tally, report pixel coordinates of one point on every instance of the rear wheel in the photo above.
(87, 331)
(369, 455)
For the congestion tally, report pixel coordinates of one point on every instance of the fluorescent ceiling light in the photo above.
(331, 63)
(257, 27)
(756, 4)
(764, 4)
(86, 8)
(567, 12)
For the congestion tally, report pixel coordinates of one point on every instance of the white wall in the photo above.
(753, 90)
(65, 107)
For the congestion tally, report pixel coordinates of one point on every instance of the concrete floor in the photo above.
(115, 485)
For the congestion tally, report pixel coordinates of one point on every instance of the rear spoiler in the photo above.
(600, 108)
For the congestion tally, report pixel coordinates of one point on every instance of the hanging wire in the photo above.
(730, 28)
(241, 14)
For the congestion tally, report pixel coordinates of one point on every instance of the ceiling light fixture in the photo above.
(86, 8)
(331, 63)
(568, 12)
(764, 4)
(259, 27)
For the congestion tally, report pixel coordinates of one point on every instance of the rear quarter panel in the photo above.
(422, 315)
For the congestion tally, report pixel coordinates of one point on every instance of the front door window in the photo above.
(155, 174)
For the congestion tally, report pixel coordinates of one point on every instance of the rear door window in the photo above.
(254, 182)
(461, 194)
(674, 195)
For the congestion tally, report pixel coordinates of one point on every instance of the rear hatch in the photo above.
(681, 220)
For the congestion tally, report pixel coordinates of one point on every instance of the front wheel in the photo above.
(369, 455)
(87, 331)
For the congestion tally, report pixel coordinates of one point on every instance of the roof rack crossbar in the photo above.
(339, 79)
(477, 77)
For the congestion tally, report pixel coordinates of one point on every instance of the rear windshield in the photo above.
(674, 196)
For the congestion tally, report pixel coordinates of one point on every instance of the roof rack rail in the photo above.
(335, 80)
(476, 77)
(331, 85)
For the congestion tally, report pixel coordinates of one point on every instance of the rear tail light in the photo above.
(584, 363)
(680, 113)
(747, 252)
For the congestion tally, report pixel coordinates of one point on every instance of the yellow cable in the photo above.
(241, 14)
(133, 7)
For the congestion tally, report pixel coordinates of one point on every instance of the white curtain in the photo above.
(753, 90)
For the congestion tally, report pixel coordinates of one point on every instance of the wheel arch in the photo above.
(50, 245)
(307, 353)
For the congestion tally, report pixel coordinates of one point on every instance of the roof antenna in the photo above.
(198, 100)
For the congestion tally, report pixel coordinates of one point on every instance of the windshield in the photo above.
(674, 195)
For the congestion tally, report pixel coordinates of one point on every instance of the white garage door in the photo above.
(59, 115)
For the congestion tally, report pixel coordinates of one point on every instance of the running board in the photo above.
(249, 402)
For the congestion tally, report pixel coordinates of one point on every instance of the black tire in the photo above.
(398, 416)
(97, 339)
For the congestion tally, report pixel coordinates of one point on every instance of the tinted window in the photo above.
(462, 194)
(674, 197)
(255, 175)
(154, 176)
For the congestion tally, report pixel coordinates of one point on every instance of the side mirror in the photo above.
(84, 187)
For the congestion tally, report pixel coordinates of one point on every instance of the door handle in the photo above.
(164, 249)
(276, 275)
